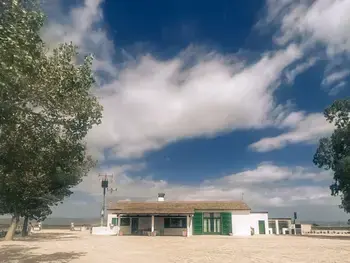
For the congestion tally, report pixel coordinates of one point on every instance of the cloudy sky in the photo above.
(210, 100)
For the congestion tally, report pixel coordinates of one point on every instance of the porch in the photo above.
(153, 225)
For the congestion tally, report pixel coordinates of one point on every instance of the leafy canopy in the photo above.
(46, 111)
(333, 153)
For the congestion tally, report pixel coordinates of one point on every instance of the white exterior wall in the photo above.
(241, 223)
(109, 218)
(104, 231)
(254, 221)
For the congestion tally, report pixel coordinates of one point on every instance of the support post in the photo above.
(103, 206)
(152, 226)
(277, 228)
(118, 223)
(188, 225)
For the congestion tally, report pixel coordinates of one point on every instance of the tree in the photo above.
(333, 153)
(46, 111)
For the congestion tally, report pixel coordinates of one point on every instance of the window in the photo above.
(175, 222)
(114, 221)
(125, 221)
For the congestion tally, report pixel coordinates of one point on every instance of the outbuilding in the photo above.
(186, 218)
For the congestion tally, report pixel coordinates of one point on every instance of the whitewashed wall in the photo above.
(109, 218)
(241, 223)
(254, 221)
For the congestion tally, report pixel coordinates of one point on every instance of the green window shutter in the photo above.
(197, 223)
(115, 221)
(226, 218)
(166, 222)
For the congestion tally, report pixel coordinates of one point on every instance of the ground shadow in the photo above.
(21, 254)
(330, 237)
(44, 237)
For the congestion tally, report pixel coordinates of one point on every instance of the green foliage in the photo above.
(333, 153)
(46, 110)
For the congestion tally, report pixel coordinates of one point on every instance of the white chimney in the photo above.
(161, 197)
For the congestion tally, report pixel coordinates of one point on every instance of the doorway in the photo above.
(212, 223)
(134, 225)
(262, 230)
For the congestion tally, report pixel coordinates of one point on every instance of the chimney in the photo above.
(161, 197)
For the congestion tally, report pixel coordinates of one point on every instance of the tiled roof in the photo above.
(175, 207)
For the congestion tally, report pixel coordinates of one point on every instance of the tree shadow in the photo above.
(21, 254)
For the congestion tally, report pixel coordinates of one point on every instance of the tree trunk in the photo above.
(25, 227)
(12, 229)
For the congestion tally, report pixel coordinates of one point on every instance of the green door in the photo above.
(211, 224)
(262, 227)
(198, 224)
(226, 219)
(114, 221)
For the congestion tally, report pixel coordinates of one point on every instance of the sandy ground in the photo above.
(62, 247)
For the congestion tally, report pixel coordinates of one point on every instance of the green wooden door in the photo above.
(226, 219)
(262, 230)
(115, 221)
(198, 223)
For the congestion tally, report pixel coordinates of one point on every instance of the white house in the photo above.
(186, 218)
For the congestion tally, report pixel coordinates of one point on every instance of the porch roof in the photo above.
(175, 207)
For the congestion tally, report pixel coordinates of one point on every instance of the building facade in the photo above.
(176, 218)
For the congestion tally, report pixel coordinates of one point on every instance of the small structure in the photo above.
(104, 231)
(186, 218)
(280, 226)
(37, 227)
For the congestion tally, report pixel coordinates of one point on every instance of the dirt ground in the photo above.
(63, 247)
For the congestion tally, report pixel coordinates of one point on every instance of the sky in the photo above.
(210, 100)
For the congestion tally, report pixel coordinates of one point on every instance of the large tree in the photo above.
(46, 111)
(333, 153)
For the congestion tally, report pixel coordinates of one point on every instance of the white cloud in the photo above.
(335, 77)
(300, 68)
(312, 22)
(302, 128)
(149, 103)
(156, 102)
(269, 173)
(334, 81)
(264, 175)
(337, 88)
(267, 186)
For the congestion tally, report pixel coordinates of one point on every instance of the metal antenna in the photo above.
(105, 179)
(242, 196)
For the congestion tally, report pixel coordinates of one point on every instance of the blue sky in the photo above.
(210, 99)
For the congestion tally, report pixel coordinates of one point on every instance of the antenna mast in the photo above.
(105, 179)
